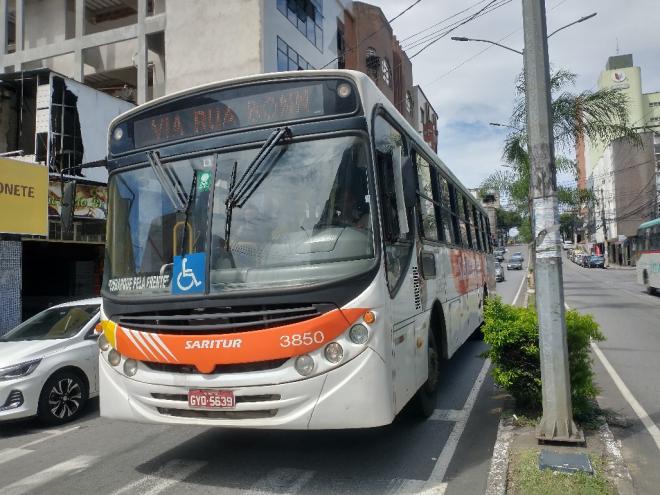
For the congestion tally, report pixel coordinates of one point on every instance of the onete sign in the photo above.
(23, 198)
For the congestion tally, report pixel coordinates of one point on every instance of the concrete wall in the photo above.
(210, 41)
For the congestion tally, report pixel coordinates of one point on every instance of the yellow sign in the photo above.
(23, 198)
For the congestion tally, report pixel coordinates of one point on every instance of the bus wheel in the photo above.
(427, 396)
(649, 288)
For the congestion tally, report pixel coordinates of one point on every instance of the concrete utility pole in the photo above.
(557, 421)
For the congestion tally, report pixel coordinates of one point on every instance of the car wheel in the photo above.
(426, 397)
(63, 398)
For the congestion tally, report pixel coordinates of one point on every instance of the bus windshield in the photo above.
(307, 220)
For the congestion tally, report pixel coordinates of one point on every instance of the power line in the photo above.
(442, 21)
(469, 59)
(479, 13)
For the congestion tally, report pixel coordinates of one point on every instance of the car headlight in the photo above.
(19, 370)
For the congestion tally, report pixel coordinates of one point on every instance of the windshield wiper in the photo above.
(190, 201)
(169, 181)
(241, 190)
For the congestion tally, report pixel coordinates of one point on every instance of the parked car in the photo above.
(49, 363)
(582, 259)
(567, 245)
(515, 262)
(596, 261)
(499, 272)
(499, 255)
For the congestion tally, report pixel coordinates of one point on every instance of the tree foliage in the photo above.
(598, 116)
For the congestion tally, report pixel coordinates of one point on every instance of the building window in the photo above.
(655, 119)
(288, 58)
(654, 104)
(409, 102)
(372, 62)
(386, 71)
(307, 16)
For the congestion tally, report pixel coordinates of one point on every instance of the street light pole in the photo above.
(557, 421)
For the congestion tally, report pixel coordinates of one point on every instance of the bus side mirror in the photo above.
(68, 205)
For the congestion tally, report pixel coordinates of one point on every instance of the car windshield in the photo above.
(53, 323)
(306, 219)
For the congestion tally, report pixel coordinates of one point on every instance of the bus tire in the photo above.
(649, 288)
(426, 397)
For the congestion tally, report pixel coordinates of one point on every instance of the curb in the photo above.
(499, 465)
(614, 461)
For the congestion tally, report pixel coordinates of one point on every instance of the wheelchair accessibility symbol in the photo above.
(189, 274)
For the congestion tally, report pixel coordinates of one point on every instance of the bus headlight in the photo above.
(344, 90)
(359, 334)
(334, 352)
(304, 364)
(114, 358)
(103, 343)
(130, 367)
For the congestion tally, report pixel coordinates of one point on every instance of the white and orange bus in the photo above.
(283, 251)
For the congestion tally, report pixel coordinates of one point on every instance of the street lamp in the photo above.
(497, 124)
(462, 38)
(519, 52)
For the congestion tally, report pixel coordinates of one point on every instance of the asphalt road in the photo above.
(450, 453)
(630, 320)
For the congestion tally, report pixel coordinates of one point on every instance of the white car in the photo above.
(49, 363)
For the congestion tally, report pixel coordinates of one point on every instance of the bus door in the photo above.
(403, 277)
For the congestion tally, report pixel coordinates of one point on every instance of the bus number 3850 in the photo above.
(298, 339)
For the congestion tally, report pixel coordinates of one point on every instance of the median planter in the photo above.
(513, 335)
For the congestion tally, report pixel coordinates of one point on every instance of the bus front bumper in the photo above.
(356, 394)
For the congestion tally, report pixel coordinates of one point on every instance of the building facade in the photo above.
(135, 51)
(624, 177)
(369, 45)
(424, 115)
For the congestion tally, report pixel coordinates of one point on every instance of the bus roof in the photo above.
(650, 223)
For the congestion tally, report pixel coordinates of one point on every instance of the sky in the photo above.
(468, 89)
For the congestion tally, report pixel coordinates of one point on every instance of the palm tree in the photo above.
(596, 116)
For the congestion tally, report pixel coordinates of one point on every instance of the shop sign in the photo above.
(91, 201)
(23, 198)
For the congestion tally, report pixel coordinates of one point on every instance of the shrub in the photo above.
(513, 335)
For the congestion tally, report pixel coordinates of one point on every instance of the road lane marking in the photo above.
(7, 455)
(522, 282)
(447, 415)
(168, 474)
(641, 413)
(67, 468)
(643, 416)
(434, 485)
(51, 434)
(285, 481)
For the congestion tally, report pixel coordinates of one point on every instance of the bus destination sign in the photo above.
(225, 110)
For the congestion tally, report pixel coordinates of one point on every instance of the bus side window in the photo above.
(445, 206)
(459, 238)
(390, 152)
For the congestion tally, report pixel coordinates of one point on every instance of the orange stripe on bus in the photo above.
(206, 351)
